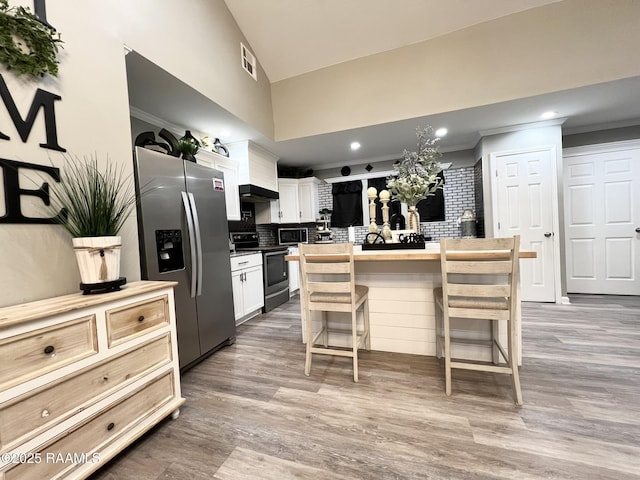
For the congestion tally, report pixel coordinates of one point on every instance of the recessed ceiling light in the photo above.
(548, 115)
(355, 145)
(441, 132)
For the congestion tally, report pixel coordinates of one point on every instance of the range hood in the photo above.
(254, 193)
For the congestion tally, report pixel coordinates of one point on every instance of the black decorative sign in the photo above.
(11, 168)
(42, 99)
(13, 191)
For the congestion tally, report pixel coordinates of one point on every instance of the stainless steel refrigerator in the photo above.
(182, 227)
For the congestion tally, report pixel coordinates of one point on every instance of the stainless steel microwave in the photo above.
(293, 236)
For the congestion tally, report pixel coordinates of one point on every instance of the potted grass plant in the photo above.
(92, 204)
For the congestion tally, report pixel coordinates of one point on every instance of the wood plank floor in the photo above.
(252, 414)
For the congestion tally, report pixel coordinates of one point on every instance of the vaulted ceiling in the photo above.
(291, 37)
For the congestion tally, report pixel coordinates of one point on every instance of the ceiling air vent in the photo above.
(248, 61)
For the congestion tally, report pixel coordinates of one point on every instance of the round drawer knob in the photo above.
(111, 426)
(141, 318)
(49, 349)
(44, 414)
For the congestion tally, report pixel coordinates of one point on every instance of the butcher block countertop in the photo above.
(431, 252)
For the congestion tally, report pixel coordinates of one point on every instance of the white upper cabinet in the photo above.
(298, 202)
(230, 168)
(289, 204)
(308, 199)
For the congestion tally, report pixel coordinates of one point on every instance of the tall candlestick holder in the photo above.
(371, 195)
(385, 197)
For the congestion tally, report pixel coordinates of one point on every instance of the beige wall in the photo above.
(559, 46)
(202, 49)
(198, 42)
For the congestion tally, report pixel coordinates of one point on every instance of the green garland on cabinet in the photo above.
(27, 46)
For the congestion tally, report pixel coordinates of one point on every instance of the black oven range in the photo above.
(275, 272)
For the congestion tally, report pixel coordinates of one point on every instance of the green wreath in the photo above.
(27, 46)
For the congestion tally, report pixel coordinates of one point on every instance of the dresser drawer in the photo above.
(29, 415)
(136, 319)
(97, 433)
(27, 356)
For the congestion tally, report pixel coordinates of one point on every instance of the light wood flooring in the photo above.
(252, 414)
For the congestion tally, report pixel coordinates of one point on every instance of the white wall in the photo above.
(36, 261)
(198, 42)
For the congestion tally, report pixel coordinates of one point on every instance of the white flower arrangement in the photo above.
(416, 177)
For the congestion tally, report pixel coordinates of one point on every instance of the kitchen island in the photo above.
(401, 306)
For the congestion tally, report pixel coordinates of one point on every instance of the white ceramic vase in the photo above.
(98, 258)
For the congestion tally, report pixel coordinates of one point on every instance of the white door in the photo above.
(602, 219)
(523, 200)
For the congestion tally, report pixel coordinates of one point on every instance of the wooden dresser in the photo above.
(82, 377)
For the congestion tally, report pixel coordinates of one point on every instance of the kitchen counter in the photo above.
(430, 252)
(401, 307)
(240, 254)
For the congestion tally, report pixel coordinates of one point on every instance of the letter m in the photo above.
(42, 99)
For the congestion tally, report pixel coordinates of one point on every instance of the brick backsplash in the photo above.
(459, 194)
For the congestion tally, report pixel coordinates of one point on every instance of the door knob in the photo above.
(548, 234)
(638, 230)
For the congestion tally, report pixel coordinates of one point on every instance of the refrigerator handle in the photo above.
(196, 224)
(192, 242)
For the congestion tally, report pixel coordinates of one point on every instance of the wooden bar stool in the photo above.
(479, 282)
(328, 285)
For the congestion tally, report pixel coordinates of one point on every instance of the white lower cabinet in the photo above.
(294, 272)
(82, 377)
(248, 286)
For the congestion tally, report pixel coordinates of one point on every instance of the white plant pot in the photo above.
(98, 258)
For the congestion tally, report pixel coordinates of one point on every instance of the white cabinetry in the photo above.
(308, 199)
(289, 203)
(268, 212)
(85, 375)
(257, 165)
(294, 272)
(230, 168)
(298, 202)
(248, 286)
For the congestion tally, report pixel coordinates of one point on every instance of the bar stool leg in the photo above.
(309, 339)
(325, 330)
(495, 336)
(513, 362)
(439, 326)
(367, 325)
(354, 343)
(447, 355)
